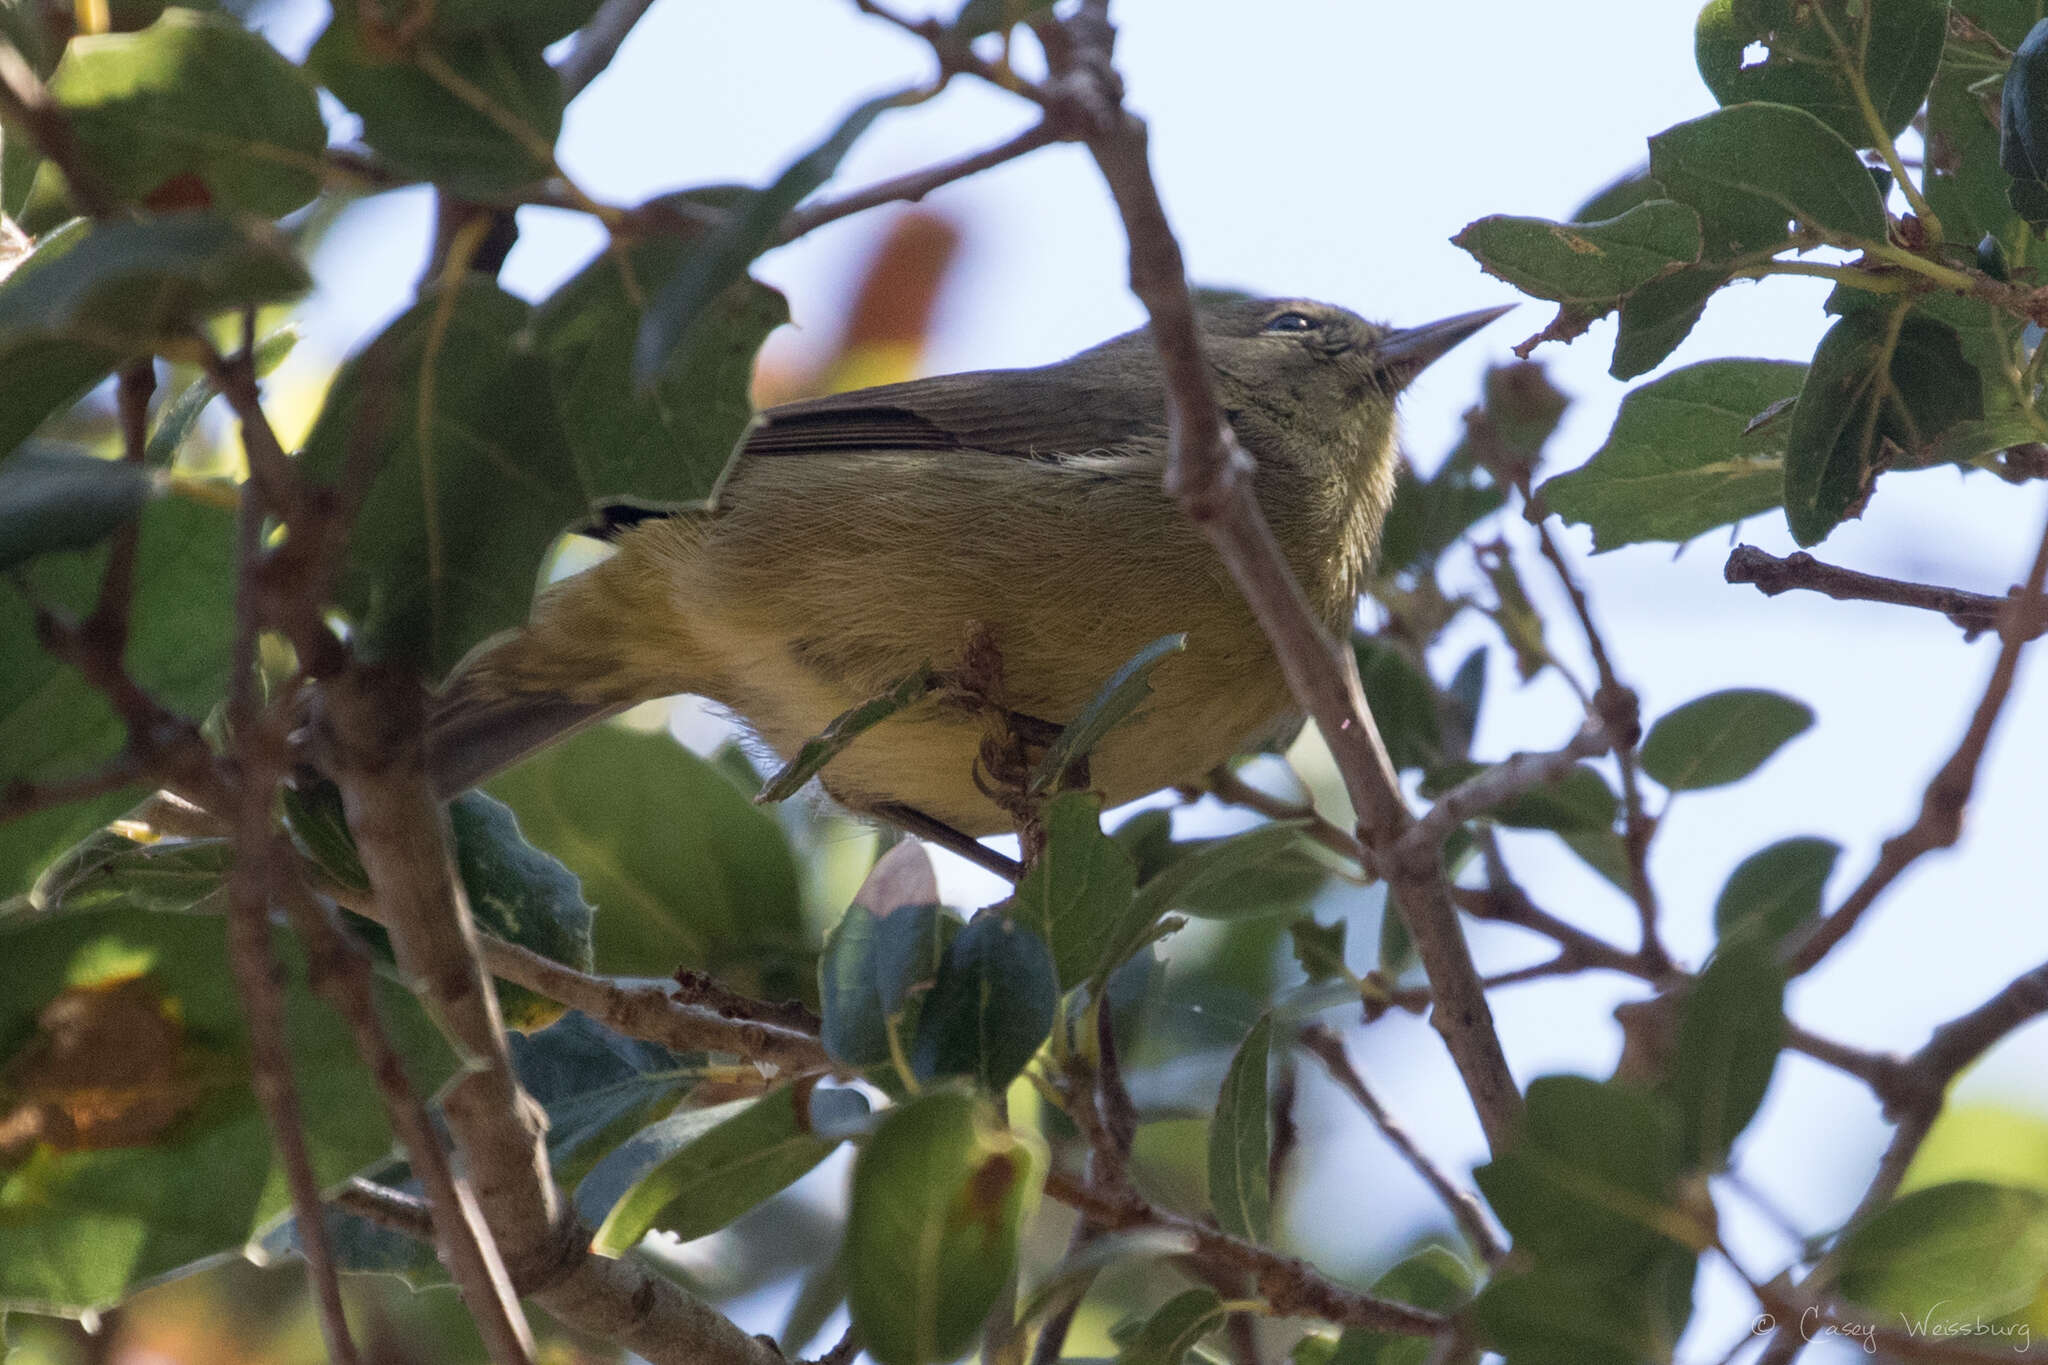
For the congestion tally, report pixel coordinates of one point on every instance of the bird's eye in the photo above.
(1292, 322)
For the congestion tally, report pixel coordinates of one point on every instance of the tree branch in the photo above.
(1940, 822)
(1328, 1048)
(1504, 781)
(1973, 611)
(916, 185)
(1210, 475)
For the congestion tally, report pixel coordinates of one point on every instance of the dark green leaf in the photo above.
(53, 726)
(181, 414)
(1618, 196)
(1890, 48)
(194, 95)
(1660, 315)
(1433, 1279)
(1730, 1030)
(1077, 892)
(1429, 515)
(55, 499)
(521, 895)
(692, 1173)
(977, 17)
(1775, 891)
(1557, 1315)
(1403, 703)
(1241, 1140)
(416, 104)
(666, 446)
(683, 869)
(1722, 737)
(536, 22)
(180, 1167)
(1680, 460)
(1588, 265)
(2023, 126)
(845, 728)
(1751, 169)
(462, 419)
(1319, 948)
(122, 288)
(870, 969)
(1125, 691)
(1884, 385)
(1174, 1328)
(595, 1086)
(1952, 1253)
(1589, 1181)
(1264, 870)
(993, 1004)
(939, 1195)
(675, 321)
(45, 375)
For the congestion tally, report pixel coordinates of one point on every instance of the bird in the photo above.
(1006, 524)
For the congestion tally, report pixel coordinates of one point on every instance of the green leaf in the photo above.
(1618, 196)
(461, 417)
(171, 876)
(1174, 1328)
(52, 726)
(666, 446)
(1110, 707)
(1241, 1140)
(872, 968)
(674, 323)
(1892, 48)
(1751, 169)
(1587, 265)
(1077, 892)
(122, 288)
(1660, 315)
(939, 1195)
(1429, 515)
(194, 95)
(537, 22)
(977, 17)
(1730, 1031)
(1884, 385)
(1319, 948)
(1680, 459)
(845, 728)
(1775, 891)
(1403, 703)
(1722, 737)
(694, 1172)
(175, 422)
(1558, 1315)
(55, 499)
(1950, 1254)
(992, 1006)
(684, 870)
(521, 895)
(45, 375)
(1433, 1279)
(1262, 871)
(1589, 1181)
(416, 104)
(2023, 127)
(181, 1169)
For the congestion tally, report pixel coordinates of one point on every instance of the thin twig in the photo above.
(1292, 1287)
(1940, 821)
(1975, 612)
(1513, 776)
(649, 1011)
(20, 797)
(916, 185)
(1328, 1048)
(1225, 785)
(1209, 474)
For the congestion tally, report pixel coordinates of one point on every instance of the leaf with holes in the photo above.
(1816, 55)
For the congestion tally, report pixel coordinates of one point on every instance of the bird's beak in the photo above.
(1406, 353)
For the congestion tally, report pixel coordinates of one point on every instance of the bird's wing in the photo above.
(1035, 414)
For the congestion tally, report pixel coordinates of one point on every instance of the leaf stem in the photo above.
(1852, 72)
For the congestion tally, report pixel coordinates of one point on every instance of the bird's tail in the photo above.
(599, 642)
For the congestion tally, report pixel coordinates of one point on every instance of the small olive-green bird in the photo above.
(863, 536)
